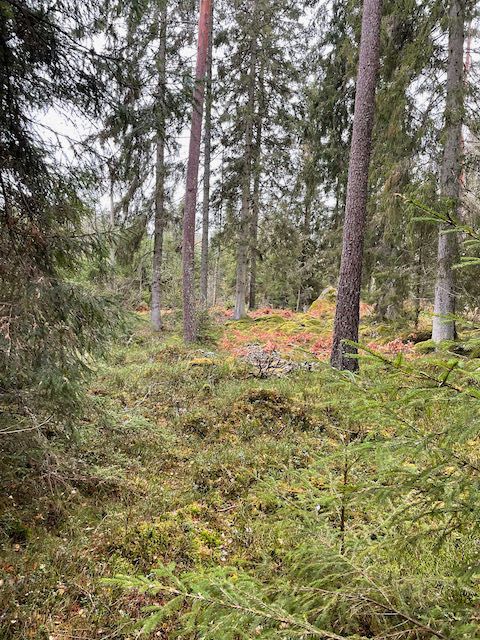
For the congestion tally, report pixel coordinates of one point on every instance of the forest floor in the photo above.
(184, 455)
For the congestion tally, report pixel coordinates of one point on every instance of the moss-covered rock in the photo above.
(324, 304)
(427, 346)
(448, 346)
(329, 294)
(201, 362)
(418, 336)
(267, 411)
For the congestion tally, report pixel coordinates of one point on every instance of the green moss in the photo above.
(427, 346)
(210, 538)
(148, 543)
(198, 422)
(200, 466)
(179, 537)
(469, 348)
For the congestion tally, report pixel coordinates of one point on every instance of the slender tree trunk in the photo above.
(339, 203)
(242, 248)
(112, 224)
(112, 231)
(252, 294)
(188, 244)
(348, 297)
(216, 269)
(418, 290)
(206, 171)
(305, 276)
(159, 178)
(443, 327)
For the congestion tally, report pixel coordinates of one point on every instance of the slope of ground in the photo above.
(185, 456)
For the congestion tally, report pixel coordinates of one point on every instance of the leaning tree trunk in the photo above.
(444, 306)
(242, 247)
(348, 297)
(206, 171)
(188, 244)
(159, 178)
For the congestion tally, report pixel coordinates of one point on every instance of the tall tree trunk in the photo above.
(206, 171)
(188, 244)
(242, 247)
(159, 178)
(444, 306)
(348, 297)
(252, 294)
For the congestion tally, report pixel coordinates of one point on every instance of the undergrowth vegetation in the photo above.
(201, 501)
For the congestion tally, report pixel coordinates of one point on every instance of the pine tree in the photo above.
(348, 298)
(188, 243)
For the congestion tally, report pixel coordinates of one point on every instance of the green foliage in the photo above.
(50, 326)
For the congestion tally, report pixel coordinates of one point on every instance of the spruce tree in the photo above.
(257, 81)
(445, 294)
(249, 115)
(49, 323)
(160, 134)
(145, 116)
(204, 263)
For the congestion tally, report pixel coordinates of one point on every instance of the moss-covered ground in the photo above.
(182, 456)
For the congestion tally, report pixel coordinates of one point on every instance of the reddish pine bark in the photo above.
(348, 297)
(188, 244)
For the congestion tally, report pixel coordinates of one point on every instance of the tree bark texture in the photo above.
(348, 297)
(188, 243)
